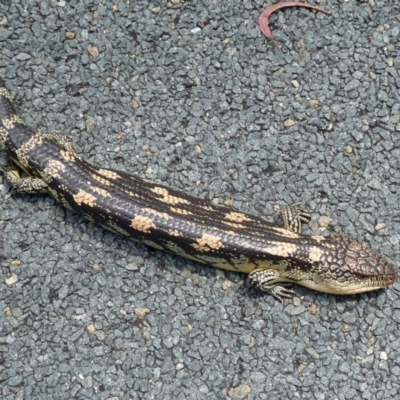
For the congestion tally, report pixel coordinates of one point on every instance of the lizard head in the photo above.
(347, 267)
(331, 264)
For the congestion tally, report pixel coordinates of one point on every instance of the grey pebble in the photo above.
(210, 107)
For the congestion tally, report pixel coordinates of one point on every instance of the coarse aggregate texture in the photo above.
(192, 95)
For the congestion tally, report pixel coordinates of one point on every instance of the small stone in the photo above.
(313, 309)
(347, 327)
(323, 222)
(239, 392)
(295, 83)
(22, 56)
(203, 389)
(16, 312)
(93, 51)
(131, 267)
(296, 301)
(298, 309)
(380, 225)
(87, 382)
(4, 34)
(70, 35)
(389, 61)
(312, 353)
(226, 284)
(289, 122)
(349, 149)
(89, 125)
(301, 368)
(101, 335)
(141, 312)
(228, 202)
(172, 3)
(12, 280)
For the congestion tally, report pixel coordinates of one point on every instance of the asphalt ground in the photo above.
(190, 94)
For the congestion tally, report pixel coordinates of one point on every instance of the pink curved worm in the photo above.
(263, 20)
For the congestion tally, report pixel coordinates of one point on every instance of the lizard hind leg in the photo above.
(28, 184)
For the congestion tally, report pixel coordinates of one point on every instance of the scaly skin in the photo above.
(175, 222)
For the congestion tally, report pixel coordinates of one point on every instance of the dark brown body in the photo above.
(173, 221)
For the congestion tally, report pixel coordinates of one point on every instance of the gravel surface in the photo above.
(192, 95)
